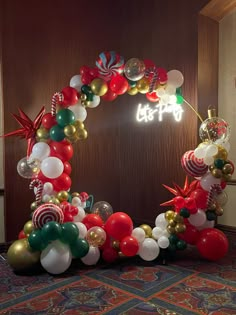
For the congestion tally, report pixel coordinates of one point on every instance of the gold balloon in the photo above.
(86, 103)
(20, 256)
(147, 229)
(169, 214)
(99, 87)
(42, 133)
(83, 97)
(178, 218)
(69, 130)
(62, 195)
(216, 173)
(116, 245)
(75, 194)
(180, 228)
(28, 227)
(219, 211)
(171, 222)
(227, 168)
(73, 138)
(78, 124)
(143, 85)
(82, 134)
(222, 153)
(170, 229)
(227, 177)
(133, 91)
(33, 206)
(96, 236)
(54, 200)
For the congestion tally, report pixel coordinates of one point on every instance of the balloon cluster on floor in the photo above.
(61, 227)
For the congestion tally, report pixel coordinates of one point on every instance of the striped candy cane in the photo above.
(214, 190)
(57, 97)
(39, 185)
(148, 72)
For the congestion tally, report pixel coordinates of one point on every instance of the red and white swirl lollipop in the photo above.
(109, 64)
(193, 166)
(46, 213)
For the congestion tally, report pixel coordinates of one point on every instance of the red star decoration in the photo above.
(178, 191)
(29, 128)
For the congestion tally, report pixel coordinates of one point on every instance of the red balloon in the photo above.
(191, 235)
(119, 84)
(94, 72)
(63, 150)
(42, 178)
(148, 63)
(223, 184)
(119, 225)
(179, 202)
(212, 244)
(109, 96)
(84, 69)
(129, 246)
(109, 255)
(86, 78)
(200, 197)
(91, 220)
(63, 182)
(21, 235)
(67, 168)
(48, 121)
(84, 196)
(68, 217)
(70, 96)
(152, 97)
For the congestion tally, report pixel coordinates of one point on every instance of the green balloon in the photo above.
(69, 232)
(179, 99)
(211, 216)
(181, 245)
(219, 163)
(184, 212)
(65, 117)
(36, 240)
(57, 133)
(79, 248)
(51, 231)
(86, 89)
(173, 238)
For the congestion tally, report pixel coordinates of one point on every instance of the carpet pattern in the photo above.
(187, 285)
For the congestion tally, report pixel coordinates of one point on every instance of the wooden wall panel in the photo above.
(122, 162)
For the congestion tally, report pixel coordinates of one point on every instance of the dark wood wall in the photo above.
(122, 162)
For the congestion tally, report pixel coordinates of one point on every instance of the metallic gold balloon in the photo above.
(133, 91)
(147, 229)
(55, 201)
(143, 85)
(78, 124)
(82, 134)
(99, 86)
(69, 130)
(73, 138)
(121, 255)
(180, 228)
(227, 168)
(178, 218)
(62, 195)
(170, 229)
(83, 97)
(216, 173)
(222, 153)
(172, 222)
(169, 214)
(42, 133)
(33, 206)
(219, 211)
(227, 177)
(116, 245)
(86, 103)
(20, 256)
(28, 227)
(75, 194)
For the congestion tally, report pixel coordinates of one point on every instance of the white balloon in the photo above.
(211, 150)
(52, 167)
(139, 234)
(79, 111)
(170, 89)
(199, 153)
(95, 102)
(208, 160)
(92, 256)
(81, 214)
(198, 218)
(161, 221)
(76, 82)
(206, 225)
(175, 78)
(48, 188)
(163, 242)
(208, 180)
(76, 201)
(46, 198)
(40, 151)
(82, 229)
(157, 232)
(148, 249)
(56, 257)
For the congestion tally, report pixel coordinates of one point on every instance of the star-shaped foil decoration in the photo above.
(178, 191)
(29, 128)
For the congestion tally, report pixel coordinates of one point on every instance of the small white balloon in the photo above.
(76, 82)
(92, 256)
(211, 150)
(198, 218)
(208, 180)
(76, 202)
(206, 225)
(48, 188)
(139, 234)
(163, 242)
(79, 111)
(52, 167)
(208, 160)
(56, 257)
(46, 198)
(148, 249)
(81, 214)
(82, 229)
(157, 232)
(175, 78)
(40, 151)
(161, 221)
(170, 89)
(200, 152)
(95, 102)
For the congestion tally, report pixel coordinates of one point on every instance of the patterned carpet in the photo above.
(187, 285)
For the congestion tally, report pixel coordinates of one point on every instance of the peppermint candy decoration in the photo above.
(57, 98)
(109, 64)
(214, 191)
(193, 166)
(46, 213)
(39, 190)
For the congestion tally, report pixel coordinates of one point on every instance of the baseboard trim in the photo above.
(226, 228)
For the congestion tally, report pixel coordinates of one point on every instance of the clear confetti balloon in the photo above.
(103, 209)
(134, 69)
(214, 129)
(27, 168)
(96, 236)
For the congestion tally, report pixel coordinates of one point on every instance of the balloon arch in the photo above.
(61, 229)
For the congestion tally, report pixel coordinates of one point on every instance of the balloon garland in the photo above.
(60, 228)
